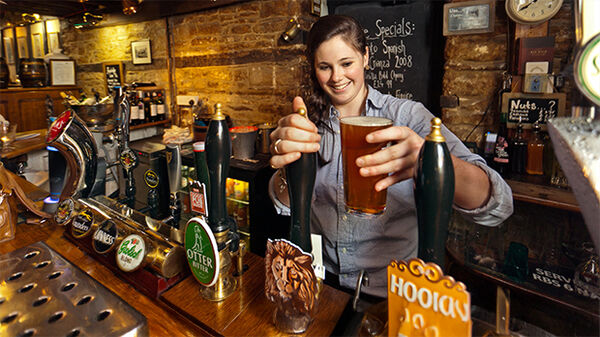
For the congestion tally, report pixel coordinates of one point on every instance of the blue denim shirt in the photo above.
(352, 243)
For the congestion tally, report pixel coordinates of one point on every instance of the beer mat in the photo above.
(41, 293)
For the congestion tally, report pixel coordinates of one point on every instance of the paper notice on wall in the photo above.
(317, 253)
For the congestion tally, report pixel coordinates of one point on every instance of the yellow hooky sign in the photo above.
(424, 302)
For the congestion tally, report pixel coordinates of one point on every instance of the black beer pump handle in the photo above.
(434, 195)
(218, 153)
(301, 181)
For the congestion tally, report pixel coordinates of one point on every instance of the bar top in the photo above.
(181, 311)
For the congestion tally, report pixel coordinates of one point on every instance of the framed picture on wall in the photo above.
(9, 51)
(62, 72)
(38, 45)
(53, 42)
(22, 47)
(141, 52)
(469, 17)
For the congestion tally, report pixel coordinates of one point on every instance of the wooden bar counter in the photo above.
(181, 311)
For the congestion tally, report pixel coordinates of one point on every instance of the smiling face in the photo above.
(340, 71)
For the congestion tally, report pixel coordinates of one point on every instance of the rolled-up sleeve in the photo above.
(500, 205)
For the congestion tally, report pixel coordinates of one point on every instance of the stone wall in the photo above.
(232, 55)
(473, 71)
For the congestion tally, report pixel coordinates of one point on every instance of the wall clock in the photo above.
(587, 69)
(532, 12)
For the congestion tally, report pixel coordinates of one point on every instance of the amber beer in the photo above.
(359, 192)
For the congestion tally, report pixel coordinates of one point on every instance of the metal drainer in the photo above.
(44, 294)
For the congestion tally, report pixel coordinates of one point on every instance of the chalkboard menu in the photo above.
(400, 45)
(113, 72)
(532, 108)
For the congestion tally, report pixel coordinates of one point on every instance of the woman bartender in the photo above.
(338, 55)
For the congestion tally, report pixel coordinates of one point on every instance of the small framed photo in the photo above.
(53, 42)
(62, 72)
(469, 17)
(38, 45)
(141, 52)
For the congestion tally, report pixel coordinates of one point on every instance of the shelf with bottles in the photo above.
(148, 107)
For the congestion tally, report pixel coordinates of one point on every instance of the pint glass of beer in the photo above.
(359, 192)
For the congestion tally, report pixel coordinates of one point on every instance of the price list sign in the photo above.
(399, 47)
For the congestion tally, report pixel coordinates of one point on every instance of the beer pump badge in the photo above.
(424, 302)
(58, 126)
(128, 159)
(151, 178)
(82, 224)
(202, 252)
(64, 211)
(131, 253)
(105, 237)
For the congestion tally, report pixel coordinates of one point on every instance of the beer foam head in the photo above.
(366, 121)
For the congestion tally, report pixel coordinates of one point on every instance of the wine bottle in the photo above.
(160, 108)
(518, 151)
(153, 107)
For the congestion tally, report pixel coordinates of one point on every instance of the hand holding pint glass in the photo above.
(359, 192)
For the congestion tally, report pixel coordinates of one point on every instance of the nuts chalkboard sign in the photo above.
(532, 108)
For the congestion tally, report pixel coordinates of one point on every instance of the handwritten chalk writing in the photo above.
(399, 47)
(446, 305)
(403, 28)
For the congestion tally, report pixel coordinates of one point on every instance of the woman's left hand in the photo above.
(398, 160)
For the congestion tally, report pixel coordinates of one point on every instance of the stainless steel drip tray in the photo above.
(43, 294)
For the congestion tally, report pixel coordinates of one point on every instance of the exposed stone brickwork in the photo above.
(474, 65)
(232, 55)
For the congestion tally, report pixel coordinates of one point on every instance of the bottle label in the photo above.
(153, 110)
(160, 109)
(134, 113)
(501, 151)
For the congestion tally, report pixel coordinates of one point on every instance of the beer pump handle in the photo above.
(173, 152)
(434, 194)
(218, 153)
(301, 181)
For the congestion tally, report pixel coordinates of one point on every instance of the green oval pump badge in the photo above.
(201, 251)
(131, 253)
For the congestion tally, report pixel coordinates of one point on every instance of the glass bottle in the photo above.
(535, 152)
(160, 107)
(153, 107)
(500, 161)
(141, 113)
(518, 151)
(133, 110)
(501, 151)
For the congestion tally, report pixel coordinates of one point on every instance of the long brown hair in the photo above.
(326, 28)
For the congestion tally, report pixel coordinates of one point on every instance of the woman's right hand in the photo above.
(294, 134)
